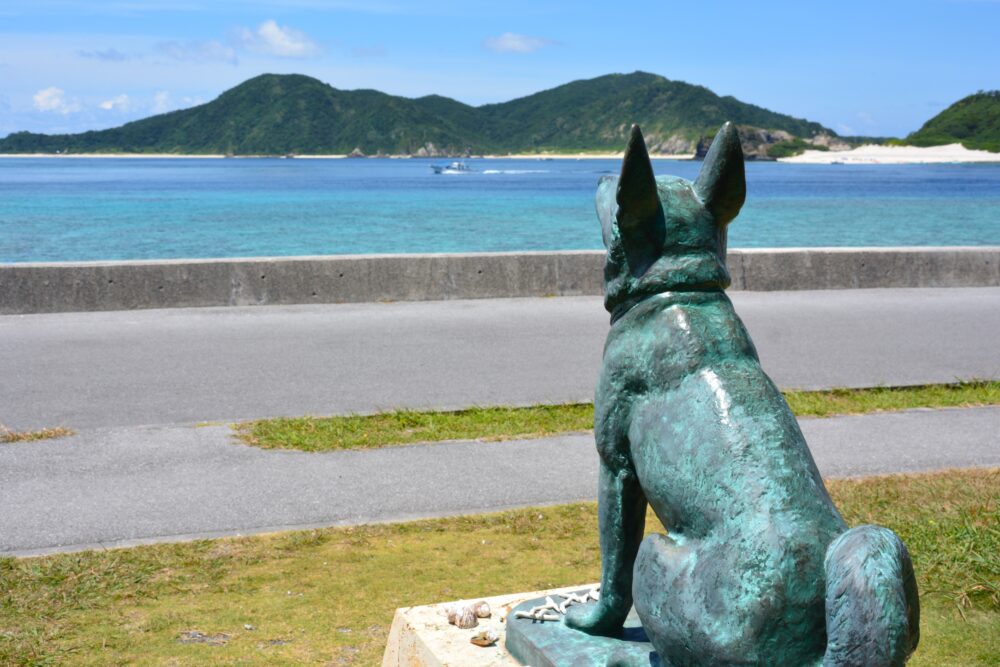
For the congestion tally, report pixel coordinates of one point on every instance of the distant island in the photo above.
(973, 121)
(293, 114)
(967, 131)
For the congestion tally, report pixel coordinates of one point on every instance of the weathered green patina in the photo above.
(757, 567)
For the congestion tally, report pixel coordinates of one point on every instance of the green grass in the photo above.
(6, 435)
(313, 434)
(877, 399)
(330, 594)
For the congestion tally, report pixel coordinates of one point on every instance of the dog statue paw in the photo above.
(594, 619)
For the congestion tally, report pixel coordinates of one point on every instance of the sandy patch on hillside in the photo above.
(871, 154)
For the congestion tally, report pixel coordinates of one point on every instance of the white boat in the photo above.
(451, 168)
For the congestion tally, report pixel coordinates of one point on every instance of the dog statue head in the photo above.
(667, 233)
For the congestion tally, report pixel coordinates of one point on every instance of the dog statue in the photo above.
(758, 567)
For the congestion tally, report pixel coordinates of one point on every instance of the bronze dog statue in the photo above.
(758, 567)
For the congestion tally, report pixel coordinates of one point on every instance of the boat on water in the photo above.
(451, 168)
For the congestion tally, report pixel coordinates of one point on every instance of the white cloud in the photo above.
(107, 55)
(276, 40)
(198, 51)
(866, 118)
(54, 99)
(164, 102)
(511, 42)
(161, 102)
(119, 103)
(861, 123)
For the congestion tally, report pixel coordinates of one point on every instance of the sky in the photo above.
(873, 67)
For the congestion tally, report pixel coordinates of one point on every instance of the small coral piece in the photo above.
(544, 612)
(482, 609)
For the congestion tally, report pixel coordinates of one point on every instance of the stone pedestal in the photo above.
(422, 636)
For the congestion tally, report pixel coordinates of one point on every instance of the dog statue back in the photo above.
(757, 566)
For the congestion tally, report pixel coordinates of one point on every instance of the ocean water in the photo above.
(105, 209)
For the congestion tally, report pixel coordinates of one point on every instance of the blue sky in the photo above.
(879, 67)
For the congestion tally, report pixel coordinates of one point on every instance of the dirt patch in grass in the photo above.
(328, 596)
(314, 434)
(6, 435)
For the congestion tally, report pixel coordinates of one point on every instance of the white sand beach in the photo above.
(868, 154)
(872, 154)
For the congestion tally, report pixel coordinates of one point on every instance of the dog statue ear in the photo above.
(721, 184)
(638, 202)
(640, 215)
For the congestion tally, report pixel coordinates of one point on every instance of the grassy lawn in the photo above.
(314, 434)
(327, 596)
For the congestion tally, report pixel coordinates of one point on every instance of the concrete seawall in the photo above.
(88, 286)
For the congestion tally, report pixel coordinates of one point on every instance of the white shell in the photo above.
(482, 609)
(462, 616)
(486, 638)
(467, 618)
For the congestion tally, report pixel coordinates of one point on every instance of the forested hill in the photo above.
(276, 114)
(973, 121)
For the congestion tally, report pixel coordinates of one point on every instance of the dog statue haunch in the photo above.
(758, 567)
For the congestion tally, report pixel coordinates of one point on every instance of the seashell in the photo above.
(467, 618)
(462, 616)
(486, 638)
(482, 609)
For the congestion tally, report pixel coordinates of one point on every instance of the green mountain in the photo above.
(276, 114)
(596, 114)
(973, 121)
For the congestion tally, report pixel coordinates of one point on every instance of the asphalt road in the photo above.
(112, 487)
(182, 366)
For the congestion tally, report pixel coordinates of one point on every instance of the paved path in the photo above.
(128, 485)
(86, 370)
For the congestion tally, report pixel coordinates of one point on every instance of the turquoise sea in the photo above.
(97, 209)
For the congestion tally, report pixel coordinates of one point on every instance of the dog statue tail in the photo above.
(872, 608)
